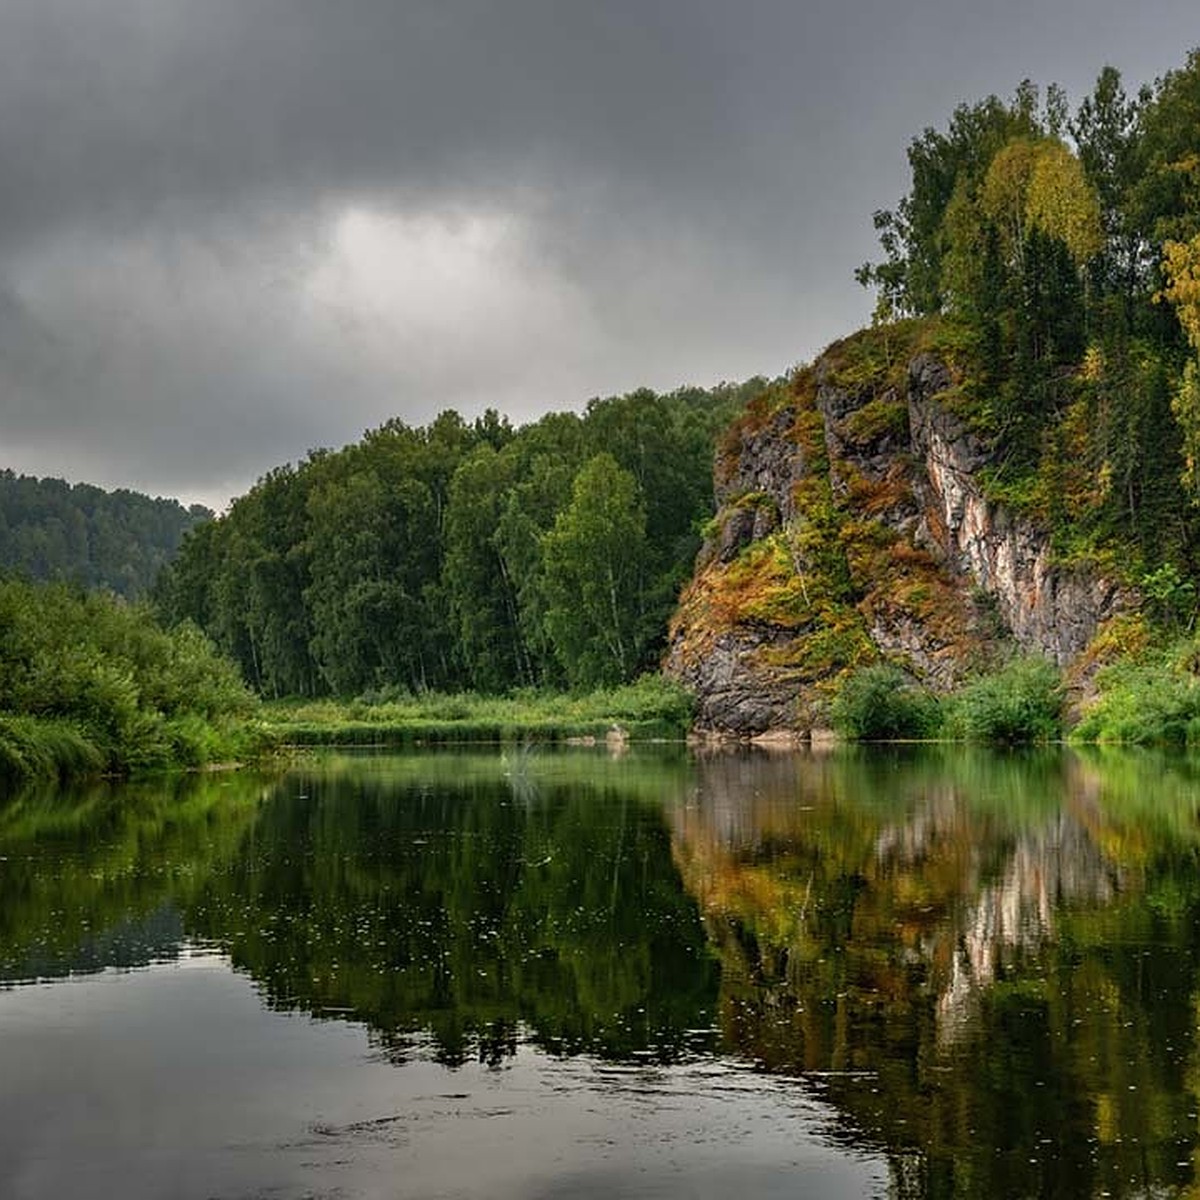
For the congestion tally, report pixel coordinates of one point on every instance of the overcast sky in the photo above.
(234, 230)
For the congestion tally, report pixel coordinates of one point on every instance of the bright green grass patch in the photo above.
(652, 707)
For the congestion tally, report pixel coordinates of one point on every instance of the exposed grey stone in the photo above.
(1050, 609)
(737, 530)
(766, 521)
(767, 461)
(737, 692)
(942, 509)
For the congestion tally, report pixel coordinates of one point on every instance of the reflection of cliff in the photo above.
(1014, 916)
(976, 958)
(773, 846)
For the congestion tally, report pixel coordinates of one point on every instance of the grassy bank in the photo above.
(650, 708)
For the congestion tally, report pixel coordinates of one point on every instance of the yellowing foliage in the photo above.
(1041, 185)
(1181, 264)
(1063, 204)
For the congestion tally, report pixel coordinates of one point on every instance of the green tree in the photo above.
(480, 586)
(941, 164)
(594, 563)
(1106, 132)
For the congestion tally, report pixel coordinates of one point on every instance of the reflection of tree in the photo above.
(459, 912)
(980, 959)
(462, 896)
(94, 877)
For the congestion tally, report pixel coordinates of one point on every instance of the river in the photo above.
(535, 973)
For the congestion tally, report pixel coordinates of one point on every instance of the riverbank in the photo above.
(650, 708)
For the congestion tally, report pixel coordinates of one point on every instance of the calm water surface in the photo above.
(538, 974)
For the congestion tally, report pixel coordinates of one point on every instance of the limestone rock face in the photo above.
(765, 461)
(739, 690)
(853, 525)
(1049, 609)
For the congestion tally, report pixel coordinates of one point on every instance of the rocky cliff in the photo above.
(853, 525)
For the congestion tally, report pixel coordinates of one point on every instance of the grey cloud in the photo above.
(688, 185)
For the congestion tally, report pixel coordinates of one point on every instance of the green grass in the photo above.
(46, 748)
(1020, 703)
(49, 748)
(651, 707)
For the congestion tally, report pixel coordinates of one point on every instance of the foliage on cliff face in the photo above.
(1060, 249)
(797, 578)
(840, 582)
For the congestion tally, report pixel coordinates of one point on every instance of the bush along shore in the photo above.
(1147, 695)
(1021, 702)
(91, 685)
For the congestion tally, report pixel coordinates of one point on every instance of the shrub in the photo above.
(44, 749)
(881, 703)
(89, 683)
(1146, 702)
(1022, 702)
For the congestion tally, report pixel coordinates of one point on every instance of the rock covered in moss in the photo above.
(853, 526)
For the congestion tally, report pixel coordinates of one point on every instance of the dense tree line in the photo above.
(1059, 252)
(463, 554)
(76, 533)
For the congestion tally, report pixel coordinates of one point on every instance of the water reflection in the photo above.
(989, 962)
(468, 907)
(986, 964)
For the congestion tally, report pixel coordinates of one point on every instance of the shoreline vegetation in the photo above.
(92, 686)
(650, 708)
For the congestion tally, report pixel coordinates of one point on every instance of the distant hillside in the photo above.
(77, 533)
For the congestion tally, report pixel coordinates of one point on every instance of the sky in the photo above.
(232, 231)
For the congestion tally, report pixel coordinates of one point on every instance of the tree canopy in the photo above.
(1056, 253)
(463, 554)
(51, 530)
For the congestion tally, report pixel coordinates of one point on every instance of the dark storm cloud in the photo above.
(234, 229)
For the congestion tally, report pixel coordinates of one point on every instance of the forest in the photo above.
(463, 555)
(1057, 255)
(117, 541)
